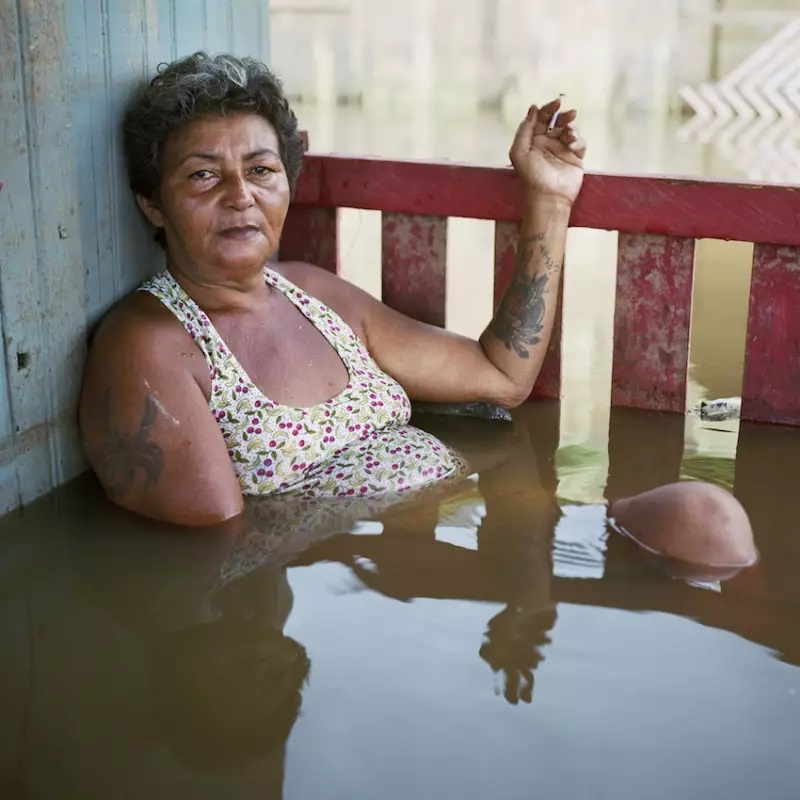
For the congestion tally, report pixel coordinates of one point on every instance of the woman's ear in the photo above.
(151, 210)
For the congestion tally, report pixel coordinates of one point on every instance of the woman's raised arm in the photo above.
(435, 365)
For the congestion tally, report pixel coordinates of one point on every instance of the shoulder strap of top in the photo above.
(189, 314)
(338, 333)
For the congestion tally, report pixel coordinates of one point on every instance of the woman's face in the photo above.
(223, 194)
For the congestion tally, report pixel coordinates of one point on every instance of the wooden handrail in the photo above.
(690, 207)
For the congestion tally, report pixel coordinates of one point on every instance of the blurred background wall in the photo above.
(620, 54)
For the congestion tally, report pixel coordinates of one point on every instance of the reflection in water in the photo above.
(146, 663)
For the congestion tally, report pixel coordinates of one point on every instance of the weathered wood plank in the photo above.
(42, 282)
(136, 254)
(311, 235)
(245, 35)
(548, 384)
(158, 31)
(414, 269)
(17, 255)
(631, 204)
(651, 322)
(771, 390)
(60, 270)
(93, 126)
(191, 27)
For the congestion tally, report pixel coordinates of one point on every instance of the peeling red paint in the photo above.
(771, 390)
(651, 322)
(414, 253)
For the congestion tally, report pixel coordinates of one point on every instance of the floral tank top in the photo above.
(357, 443)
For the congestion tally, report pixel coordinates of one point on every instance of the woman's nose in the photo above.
(238, 192)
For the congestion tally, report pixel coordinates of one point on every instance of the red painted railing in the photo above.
(659, 220)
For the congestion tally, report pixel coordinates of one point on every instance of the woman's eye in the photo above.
(261, 170)
(201, 174)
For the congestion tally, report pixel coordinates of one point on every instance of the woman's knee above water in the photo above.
(693, 522)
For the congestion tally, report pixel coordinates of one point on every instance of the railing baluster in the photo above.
(771, 388)
(652, 317)
(311, 234)
(414, 253)
(506, 235)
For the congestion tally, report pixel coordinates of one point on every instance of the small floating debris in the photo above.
(718, 410)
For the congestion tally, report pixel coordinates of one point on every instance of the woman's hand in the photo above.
(549, 162)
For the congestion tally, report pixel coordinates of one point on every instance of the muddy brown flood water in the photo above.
(495, 641)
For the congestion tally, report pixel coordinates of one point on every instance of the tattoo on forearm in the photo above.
(121, 454)
(520, 317)
(525, 249)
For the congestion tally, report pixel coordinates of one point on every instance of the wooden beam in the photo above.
(689, 208)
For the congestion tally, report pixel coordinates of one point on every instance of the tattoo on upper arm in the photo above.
(120, 455)
(520, 317)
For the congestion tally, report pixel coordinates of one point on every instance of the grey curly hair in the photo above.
(198, 87)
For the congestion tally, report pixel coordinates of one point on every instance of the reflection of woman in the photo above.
(225, 376)
(510, 562)
(222, 683)
(228, 691)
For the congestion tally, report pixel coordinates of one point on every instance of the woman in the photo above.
(224, 377)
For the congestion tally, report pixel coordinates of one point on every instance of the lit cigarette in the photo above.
(554, 120)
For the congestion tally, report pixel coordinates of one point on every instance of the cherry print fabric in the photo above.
(358, 443)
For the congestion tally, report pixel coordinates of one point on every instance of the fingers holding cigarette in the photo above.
(554, 121)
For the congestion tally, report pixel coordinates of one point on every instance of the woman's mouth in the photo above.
(240, 232)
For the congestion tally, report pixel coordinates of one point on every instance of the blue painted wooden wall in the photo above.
(71, 240)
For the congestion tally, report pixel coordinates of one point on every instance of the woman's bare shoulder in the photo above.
(139, 318)
(140, 337)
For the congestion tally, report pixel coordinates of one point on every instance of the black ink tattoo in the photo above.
(550, 263)
(520, 318)
(122, 454)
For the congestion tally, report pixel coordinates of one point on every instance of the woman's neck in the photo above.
(213, 291)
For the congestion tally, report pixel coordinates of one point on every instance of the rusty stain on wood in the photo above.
(548, 383)
(651, 322)
(771, 387)
(414, 256)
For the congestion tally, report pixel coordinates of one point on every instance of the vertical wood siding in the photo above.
(71, 239)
